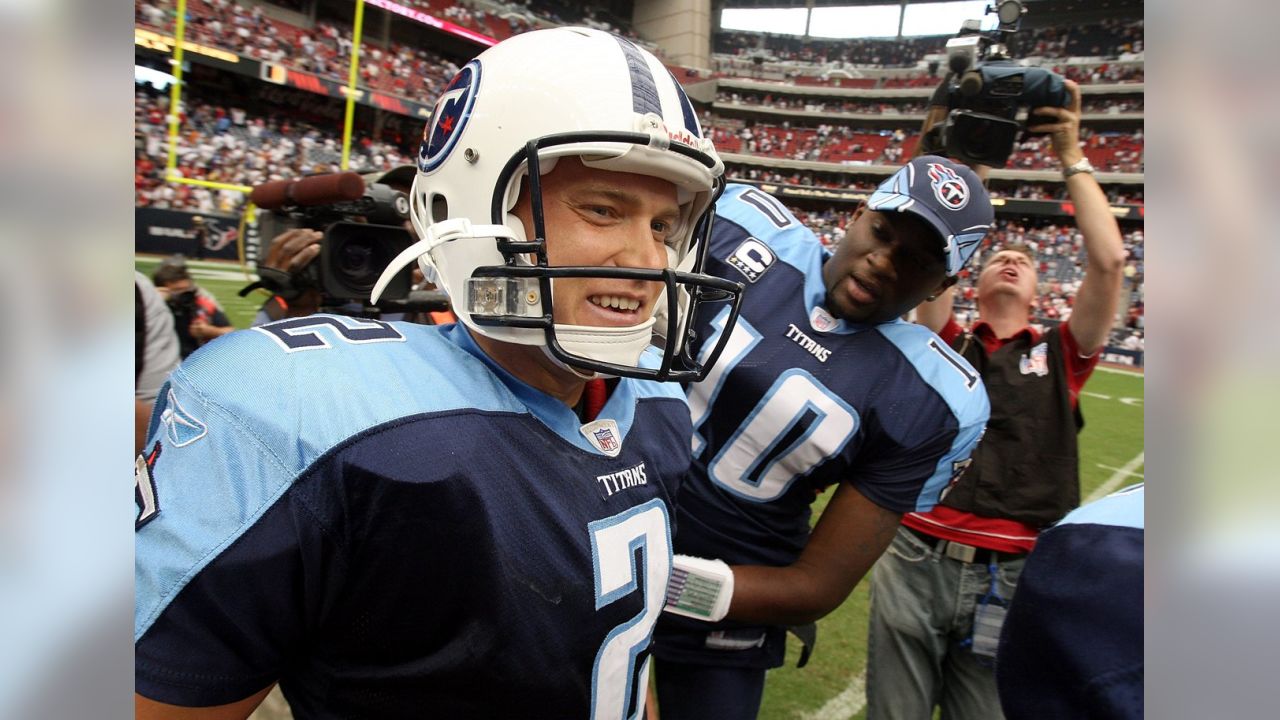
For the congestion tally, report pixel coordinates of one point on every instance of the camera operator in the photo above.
(292, 251)
(197, 316)
(938, 595)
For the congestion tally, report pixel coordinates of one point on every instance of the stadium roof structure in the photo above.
(1040, 13)
(741, 4)
(1037, 7)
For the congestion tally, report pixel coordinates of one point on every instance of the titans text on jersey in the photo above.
(389, 527)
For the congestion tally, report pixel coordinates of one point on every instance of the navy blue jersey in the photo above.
(1072, 644)
(800, 400)
(385, 521)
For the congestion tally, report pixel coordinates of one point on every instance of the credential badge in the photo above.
(1037, 361)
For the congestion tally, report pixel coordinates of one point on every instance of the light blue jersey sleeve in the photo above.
(242, 418)
(959, 385)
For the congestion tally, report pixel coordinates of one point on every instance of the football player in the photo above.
(473, 520)
(821, 386)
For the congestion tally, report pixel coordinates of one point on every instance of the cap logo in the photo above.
(950, 189)
(449, 117)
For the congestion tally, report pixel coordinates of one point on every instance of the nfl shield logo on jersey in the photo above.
(605, 439)
(603, 436)
(821, 320)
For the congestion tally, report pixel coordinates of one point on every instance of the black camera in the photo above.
(363, 227)
(984, 91)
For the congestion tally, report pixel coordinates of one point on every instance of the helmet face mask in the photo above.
(502, 124)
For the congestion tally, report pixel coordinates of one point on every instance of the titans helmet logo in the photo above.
(452, 110)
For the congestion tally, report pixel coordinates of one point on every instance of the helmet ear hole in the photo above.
(439, 208)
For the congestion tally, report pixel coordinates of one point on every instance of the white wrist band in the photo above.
(699, 588)
(1080, 166)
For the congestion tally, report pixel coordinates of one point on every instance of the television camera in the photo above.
(363, 230)
(985, 89)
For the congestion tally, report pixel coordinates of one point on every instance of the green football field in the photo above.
(830, 687)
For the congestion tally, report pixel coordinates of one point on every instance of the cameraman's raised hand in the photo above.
(291, 250)
(1065, 133)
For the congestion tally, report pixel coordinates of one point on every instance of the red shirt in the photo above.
(997, 533)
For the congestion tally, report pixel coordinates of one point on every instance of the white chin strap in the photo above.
(617, 345)
(439, 233)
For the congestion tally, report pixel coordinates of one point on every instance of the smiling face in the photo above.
(610, 219)
(887, 264)
(1009, 273)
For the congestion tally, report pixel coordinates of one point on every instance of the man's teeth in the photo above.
(617, 303)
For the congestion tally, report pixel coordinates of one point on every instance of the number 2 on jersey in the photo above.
(614, 544)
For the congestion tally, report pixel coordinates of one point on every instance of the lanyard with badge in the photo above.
(988, 618)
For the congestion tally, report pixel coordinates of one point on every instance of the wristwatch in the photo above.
(1080, 166)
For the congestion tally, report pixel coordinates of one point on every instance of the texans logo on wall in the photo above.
(449, 117)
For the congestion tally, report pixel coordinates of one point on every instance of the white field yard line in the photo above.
(1118, 371)
(1117, 477)
(209, 270)
(843, 706)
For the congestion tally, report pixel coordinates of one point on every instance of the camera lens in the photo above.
(359, 264)
(354, 256)
(977, 141)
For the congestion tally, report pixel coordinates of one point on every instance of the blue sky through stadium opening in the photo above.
(861, 20)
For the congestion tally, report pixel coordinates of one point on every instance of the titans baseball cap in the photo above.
(946, 195)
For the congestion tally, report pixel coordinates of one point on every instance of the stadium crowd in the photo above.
(229, 144)
(325, 50)
(818, 103)
(225, 144)
(417, 72)
(1109, 151)
(1106, 39)
(879, 106)
(1085, 74)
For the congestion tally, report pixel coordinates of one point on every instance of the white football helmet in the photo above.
(506, 118)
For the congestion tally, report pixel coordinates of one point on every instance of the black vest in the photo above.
(1026, 467)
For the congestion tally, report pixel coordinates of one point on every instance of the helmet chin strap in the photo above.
(620, 345)
(576, 372)
(438, 233)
